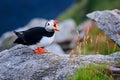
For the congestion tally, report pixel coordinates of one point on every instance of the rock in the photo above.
(109, 22)
(20, 63)
(67, 37)
(115, 73)
(115, 70)
(36, 22)
(67, 31)
(55, 48)
(6, 41)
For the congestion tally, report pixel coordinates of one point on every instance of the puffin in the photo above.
(38, 37)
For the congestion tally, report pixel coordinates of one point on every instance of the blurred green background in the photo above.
(82, 7)
(78, 12)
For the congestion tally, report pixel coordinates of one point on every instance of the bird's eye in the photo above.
(48, 24)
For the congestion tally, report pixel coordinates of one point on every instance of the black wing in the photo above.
(30, 36)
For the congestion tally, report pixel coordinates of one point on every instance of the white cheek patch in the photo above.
(50, 26)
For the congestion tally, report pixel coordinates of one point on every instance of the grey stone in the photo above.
(67, 36)
(109, 22)
(20, 63)
(115, 72)
(36, 22)
(55, 48)
(67, 31)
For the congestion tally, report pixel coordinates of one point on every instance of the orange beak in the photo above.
(55, 26)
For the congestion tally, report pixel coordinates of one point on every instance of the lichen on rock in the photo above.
(20, 63)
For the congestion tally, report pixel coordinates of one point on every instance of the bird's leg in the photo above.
(39, 50)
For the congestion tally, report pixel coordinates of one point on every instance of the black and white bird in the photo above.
(39, 36)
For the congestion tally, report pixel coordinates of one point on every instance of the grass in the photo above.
(96, 42)
(92, 72)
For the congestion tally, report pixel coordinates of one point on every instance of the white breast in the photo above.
(45, 41)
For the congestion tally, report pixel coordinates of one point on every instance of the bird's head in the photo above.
(52, 25)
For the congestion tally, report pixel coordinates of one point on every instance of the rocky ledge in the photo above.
(20, 63)
(109, 22)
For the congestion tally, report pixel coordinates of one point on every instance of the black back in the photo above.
(32, 36)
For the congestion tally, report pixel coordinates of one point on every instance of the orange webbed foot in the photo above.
(39, 50)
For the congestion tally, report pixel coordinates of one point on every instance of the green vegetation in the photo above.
(82, 7)
(95, 42)
(76, 12)
(92, 72)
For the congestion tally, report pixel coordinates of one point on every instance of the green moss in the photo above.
(92, 72)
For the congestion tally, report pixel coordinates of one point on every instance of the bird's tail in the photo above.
(17, 33)
(20, 38)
